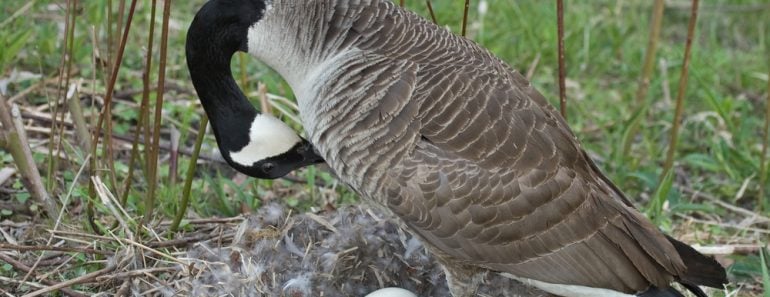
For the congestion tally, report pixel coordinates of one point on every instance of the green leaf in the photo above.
(12, 44)
(655, 210)
(22, 197)
(6, 212)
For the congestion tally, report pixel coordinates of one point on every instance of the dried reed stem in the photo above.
(107, 110)
(762, 200)
(144, 110)
(647, 68)
(155, 151)
(79, 121)
(18, 145)
(430, 10)
(182, 210)
(465, 17)
(562, 66)
(681, 92)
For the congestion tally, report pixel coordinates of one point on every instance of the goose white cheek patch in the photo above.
(268, 137)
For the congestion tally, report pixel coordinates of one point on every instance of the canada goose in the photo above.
(435, 129)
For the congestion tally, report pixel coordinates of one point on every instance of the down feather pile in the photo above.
(346, 252)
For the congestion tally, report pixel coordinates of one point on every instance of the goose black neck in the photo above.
(217, 32)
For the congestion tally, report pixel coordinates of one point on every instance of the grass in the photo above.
(718, 152)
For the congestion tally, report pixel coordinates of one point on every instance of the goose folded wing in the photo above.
(499, 181)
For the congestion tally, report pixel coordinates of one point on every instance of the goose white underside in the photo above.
(268, 137)
(568, 290)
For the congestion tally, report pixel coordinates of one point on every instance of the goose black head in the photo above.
(256, 144)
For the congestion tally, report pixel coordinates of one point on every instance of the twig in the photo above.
(18, 146)
(465, 16)
(264, 102)
(81, 127)
(181, 241)
(760, 218)
(88, 278)
(731, 249)
(173, 167)
(135, 273)
(430, 10)
(680, 94)
(238, 219)
(21, 283)
(723, 225)
(21, 266)
(562, 67)
(28, 248)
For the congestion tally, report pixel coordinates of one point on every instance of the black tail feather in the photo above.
(657, 292)
(701, 270)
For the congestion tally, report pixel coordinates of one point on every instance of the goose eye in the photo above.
(267, 167)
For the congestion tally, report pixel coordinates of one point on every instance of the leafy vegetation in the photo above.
(711, 198)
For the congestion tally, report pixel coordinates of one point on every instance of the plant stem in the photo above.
(562, 66)
(143, 109)
(465, 17)
(762, 200)
(18, 145)
(106, 111)
(681, 92)
(430, 10)
(81, 127)
(190, 176)
(649, 63)
(152, 181)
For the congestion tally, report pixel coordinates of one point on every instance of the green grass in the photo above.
(718, 152)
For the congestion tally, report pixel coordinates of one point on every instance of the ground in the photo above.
(711, 200)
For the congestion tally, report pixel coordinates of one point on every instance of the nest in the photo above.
(346, 252)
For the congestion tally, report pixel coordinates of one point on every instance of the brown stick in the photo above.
(430, 10)
(79, 120)
(136, 273)
(21, 266)
(28, 248)
(562, 67)
(88, 278)
(181, 241)
(465, 16)
(18, 146)
(680, 94)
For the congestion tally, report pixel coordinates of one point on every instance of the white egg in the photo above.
(391, 292)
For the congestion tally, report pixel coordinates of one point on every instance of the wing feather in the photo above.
(479, 165)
